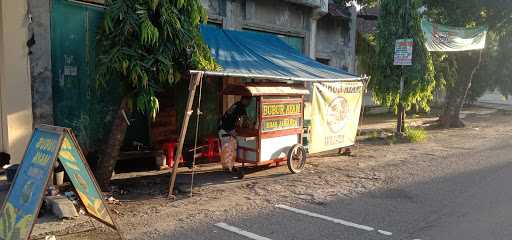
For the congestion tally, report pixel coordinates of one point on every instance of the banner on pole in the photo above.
(335, 115)
(442, 38)
(403, 52)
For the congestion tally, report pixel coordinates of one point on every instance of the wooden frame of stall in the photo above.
(196, 79)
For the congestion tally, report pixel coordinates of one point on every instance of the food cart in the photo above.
(250, 56)
(275, 133)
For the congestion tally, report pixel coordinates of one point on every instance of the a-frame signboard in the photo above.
(23, 202)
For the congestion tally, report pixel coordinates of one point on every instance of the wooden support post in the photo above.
(194, 81)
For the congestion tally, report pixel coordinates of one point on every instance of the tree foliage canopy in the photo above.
(495, 69)
(146, 45)
(469, 13)
(398, 21)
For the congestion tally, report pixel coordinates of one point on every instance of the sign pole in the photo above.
(400, 126)
(408, 51)
(196, 78)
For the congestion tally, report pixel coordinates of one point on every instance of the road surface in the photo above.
(472, 201)
(455, 185)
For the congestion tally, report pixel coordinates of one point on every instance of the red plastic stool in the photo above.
(169, 147)
(213, 149)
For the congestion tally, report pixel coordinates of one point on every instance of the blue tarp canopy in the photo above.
(264, 56)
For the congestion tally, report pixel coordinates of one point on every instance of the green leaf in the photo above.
(7, 221)
(141, 43)
(398, 21)
(154, 4)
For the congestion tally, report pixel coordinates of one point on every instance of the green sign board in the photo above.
(21, 206)
(281, 109)
(281, 123)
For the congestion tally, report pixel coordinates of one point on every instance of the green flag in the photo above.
(441, 38)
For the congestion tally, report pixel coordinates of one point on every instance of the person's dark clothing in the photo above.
(231, 116)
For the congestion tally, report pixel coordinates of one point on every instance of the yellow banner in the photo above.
(335, 115)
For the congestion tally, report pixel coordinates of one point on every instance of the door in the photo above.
(78, 103)
(1, 77)
(2, 149)
(1, 107)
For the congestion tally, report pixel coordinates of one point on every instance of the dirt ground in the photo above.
(145, 212)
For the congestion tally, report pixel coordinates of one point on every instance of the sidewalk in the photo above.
(145, 212)
(387, 121)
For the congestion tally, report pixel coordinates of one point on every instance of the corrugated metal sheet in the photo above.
(264, 56)
(265, 90)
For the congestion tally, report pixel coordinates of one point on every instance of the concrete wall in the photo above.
(216, 8)
(310, 3)
(495, 97)
(324, 36)
(15, 90)
(333, 41)
(41, 62)
(277, 16)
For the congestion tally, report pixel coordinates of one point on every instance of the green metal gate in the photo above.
(78, 104)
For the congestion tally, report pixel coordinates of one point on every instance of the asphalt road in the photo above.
(467, 204)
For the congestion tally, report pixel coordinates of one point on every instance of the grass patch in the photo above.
(415, 135)
(411, 135)
(373, 135)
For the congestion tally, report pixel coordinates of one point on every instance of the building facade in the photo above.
(319, 29)
(47, 52)
(15, 84)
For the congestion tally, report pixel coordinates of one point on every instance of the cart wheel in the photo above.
(240, 174)
(296, 158)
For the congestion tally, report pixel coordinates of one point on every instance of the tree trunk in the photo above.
(400, 124)
(110, 151)
(467, 66)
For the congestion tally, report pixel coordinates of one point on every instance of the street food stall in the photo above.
(288, 87)
(274, 135)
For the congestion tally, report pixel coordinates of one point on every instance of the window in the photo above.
(100, 2)
(214, 24)
(296, 43)
(325, 61)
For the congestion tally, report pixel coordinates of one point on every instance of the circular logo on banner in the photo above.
(337, 114)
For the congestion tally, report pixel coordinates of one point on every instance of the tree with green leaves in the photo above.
(466, 66)
(495, 71)
(399, 20)
(145, 46)
(500, 69)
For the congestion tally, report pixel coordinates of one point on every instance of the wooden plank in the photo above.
(287, 100)
(195, 81)
(281, 133)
